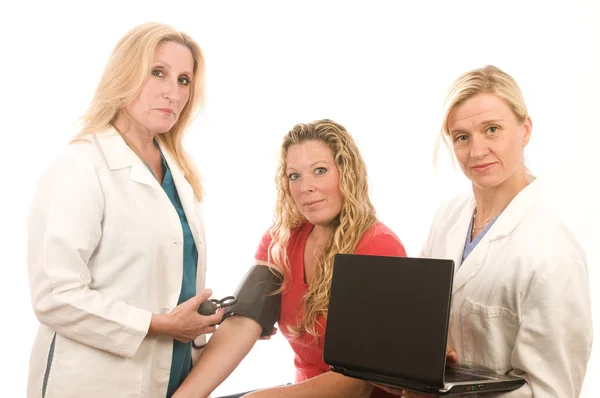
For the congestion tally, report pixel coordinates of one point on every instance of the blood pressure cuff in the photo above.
(255, 298)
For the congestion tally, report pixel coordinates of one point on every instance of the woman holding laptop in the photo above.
(521, 301)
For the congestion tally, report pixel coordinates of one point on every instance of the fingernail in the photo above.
(209, 291)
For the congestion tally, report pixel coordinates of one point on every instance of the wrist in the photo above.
(160, 325)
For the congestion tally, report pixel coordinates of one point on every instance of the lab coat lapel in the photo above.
(119, 155)
(456, 243)
(506, 223)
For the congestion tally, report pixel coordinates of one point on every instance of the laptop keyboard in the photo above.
(452, 375)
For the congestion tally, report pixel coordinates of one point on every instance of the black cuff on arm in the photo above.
(255, 298)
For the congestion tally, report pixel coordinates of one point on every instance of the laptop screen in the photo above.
(389, 316)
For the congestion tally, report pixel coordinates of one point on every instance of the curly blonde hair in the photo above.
(356, 216)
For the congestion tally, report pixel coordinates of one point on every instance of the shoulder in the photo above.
(547, 240)
(380, 240)
(297, 235)
(76, 163)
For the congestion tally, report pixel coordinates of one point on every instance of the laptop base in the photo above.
(456, 388)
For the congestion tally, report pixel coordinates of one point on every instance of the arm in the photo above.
(64, 229)
(226, 348)
(554, 341)
(330, 384)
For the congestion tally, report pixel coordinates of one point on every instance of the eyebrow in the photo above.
(166, 64)
(483, 123)
(317, 162)
(491, 121)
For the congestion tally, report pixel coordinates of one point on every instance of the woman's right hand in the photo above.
(184, 323)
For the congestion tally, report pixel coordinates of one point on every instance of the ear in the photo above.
(527, 127)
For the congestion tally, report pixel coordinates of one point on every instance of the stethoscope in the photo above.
(210, 307)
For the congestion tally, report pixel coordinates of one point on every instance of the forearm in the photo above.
(227, 347)
(90, 318)
(330, 384)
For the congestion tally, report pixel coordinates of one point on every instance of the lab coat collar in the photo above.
(119, 155)
(506, 223)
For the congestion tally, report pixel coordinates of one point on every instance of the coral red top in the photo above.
(378, 240)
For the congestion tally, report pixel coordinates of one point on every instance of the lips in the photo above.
(166, 111)
(314, 202)
(482, 167)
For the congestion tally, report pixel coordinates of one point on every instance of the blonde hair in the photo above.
(488, 79)
(127, 69)
(356, 216)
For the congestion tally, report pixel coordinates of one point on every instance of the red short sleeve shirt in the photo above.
(378, 240)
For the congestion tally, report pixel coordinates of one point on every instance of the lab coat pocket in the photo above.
(488, 336)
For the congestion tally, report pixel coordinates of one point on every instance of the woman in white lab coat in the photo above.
(521, 302)
(116, 248)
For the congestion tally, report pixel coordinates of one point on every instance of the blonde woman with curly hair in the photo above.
(116, 248)
(323, 208)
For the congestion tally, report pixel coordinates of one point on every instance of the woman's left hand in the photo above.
(269, 336)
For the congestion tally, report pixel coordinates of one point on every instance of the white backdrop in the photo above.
(379, 68)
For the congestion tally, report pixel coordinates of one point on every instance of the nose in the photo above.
(171, 90)
(307, 185)
(479, 147)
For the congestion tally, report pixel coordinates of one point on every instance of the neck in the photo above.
(321, 233)
(492, 201)
(141, 139)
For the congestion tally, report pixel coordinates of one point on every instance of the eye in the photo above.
(158, 73)
(320, 170)
(492, 129)
(461, 138)
(293, 176)
(184, 81)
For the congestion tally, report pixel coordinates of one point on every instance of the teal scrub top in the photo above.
(181, 362)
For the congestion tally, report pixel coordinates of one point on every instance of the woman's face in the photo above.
(165, 91)
(488, 140)
(314, 181)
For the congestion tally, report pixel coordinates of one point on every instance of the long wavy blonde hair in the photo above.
(486, 80)
(127, 69)
(356, 216)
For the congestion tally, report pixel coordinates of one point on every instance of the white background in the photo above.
(379, 68)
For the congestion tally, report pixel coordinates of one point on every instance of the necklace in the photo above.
(487, 220)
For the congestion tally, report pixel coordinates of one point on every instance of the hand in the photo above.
(269, 336)
(184, 323)
(451, 359)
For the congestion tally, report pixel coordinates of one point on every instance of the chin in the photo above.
(316, 220)
(487, 182)
(160, 127)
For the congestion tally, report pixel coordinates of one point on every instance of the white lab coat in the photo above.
(520, 301)
(104, 253)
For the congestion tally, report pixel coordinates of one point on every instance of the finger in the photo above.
(452, 357)
(200, 298)
(209, 330)
(213, 319)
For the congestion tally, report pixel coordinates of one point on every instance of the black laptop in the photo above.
(388, 324)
